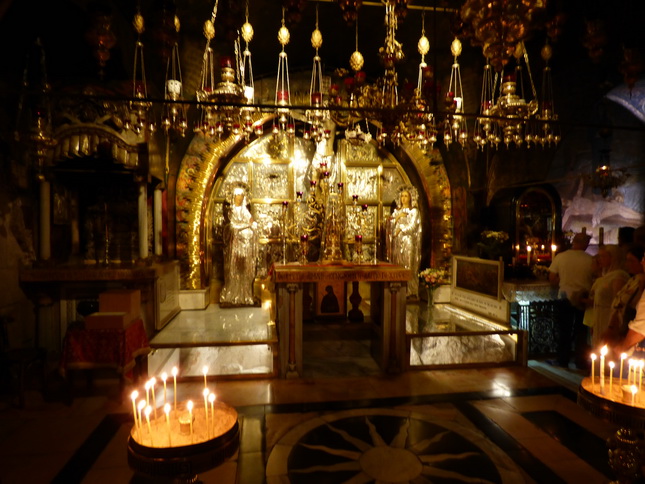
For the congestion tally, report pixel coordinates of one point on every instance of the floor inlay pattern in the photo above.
(387, 445)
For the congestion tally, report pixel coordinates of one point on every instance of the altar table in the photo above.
(388, 287)
(85, 349)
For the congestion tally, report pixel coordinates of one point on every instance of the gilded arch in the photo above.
(206, 159)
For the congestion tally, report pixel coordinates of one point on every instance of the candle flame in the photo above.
(189, 405)
(593, 356)
(141, 404)
(164, 376)
(148, 411)
(206, 391)
(623, 356)
(174, 371)
(211, 397)
(166, 408)
(603, 350)
(134, 395)
(612, 365)
(205, 370)
(634, 389)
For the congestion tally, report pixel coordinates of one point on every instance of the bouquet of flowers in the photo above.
(494, 244)
(433, 278)
(540, 271)
(493, 236)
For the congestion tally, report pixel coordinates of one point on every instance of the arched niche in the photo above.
(275, 170)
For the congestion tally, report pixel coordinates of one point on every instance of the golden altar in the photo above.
(388, 284)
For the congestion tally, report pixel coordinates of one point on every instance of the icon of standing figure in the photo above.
(404, 236)
(240, 250)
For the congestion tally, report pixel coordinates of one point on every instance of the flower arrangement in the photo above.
(494, 244)
(498, 236)
(540, 271)
(433, 278)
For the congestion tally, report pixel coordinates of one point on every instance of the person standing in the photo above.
(605, 288)
(571, 271)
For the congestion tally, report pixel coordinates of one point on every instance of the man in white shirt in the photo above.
(572, 272)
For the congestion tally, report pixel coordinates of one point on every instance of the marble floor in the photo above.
(508, 425)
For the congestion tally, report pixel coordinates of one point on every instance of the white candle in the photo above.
(629, 371)
(147, 387)
(148, 412)
(166, 409)
(140, 406)
(634, 391)
(603, 353)
(164, 377)
(622, 358)
(612, 365)
(134, 396)
(205, 372)
(593, 364)
(211, 398)
(153, 382)
(174, 377)
(528, 255)
(206, 391)
(189, 405)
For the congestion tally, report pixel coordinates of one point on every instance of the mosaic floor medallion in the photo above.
(386, 446)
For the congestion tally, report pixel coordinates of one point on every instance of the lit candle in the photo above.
(205, 372)
(147, 387)
(166, 409)
(553, 249)
(528, 255)
(593, 364)
(603, 353)
(622, 358)
(153, 382)
(140, 406)
(206, 392)
(629, 371)
(174, 377)
(189, 405)
(134, 396)
(634, 391)
(211, 398)
(164, 377)
(148, 412)
(611, 376)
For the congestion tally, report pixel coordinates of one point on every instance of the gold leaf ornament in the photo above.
(316, 39)
(209, 30)
(247, 32)
(138, 23)
(356, 61)
(284, 36)
(424, 45)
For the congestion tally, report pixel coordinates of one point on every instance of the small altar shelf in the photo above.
(614, 404)
(526, 291)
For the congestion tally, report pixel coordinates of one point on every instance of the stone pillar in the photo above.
(45, 220)
(158, 221)
(143, 220)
